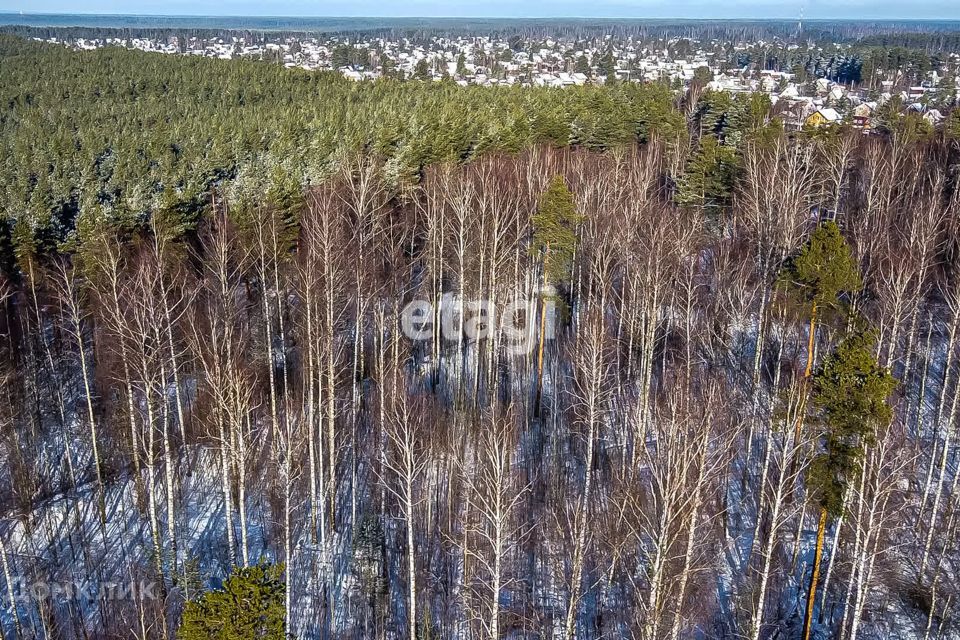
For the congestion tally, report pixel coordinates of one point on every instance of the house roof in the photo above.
(790, 91)
(830, 115)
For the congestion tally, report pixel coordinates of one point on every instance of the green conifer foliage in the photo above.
(555, 231)
(818, 275)
(555, 242)
(709, 177)
(249, 606)
(824, 268)
(851, 393)
(952, 127)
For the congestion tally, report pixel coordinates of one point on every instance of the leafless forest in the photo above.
(178, 402)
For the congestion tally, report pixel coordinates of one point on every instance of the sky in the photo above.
(790, 9)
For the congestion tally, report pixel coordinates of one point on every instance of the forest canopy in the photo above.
(124, 131)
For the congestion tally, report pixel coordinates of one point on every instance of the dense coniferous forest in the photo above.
(119, 130)
(286, 354)
(937, 34)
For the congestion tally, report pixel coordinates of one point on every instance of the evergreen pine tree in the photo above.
(554, 242)
(817, 276)
(851, 392)
(555, 231)
(249, 606)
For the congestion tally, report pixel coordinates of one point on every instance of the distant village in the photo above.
(491, 61)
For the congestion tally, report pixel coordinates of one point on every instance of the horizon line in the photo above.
(15, 12)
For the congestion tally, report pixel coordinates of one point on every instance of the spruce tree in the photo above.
(708, 180)
(422, 70)
(582, 65)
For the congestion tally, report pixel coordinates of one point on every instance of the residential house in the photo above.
(790, 92)
(862, 113)
(822, 117)
(794, 113)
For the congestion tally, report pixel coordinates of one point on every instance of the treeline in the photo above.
(921, 34)
(130, 131)
(930, 42)
(861, 64)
